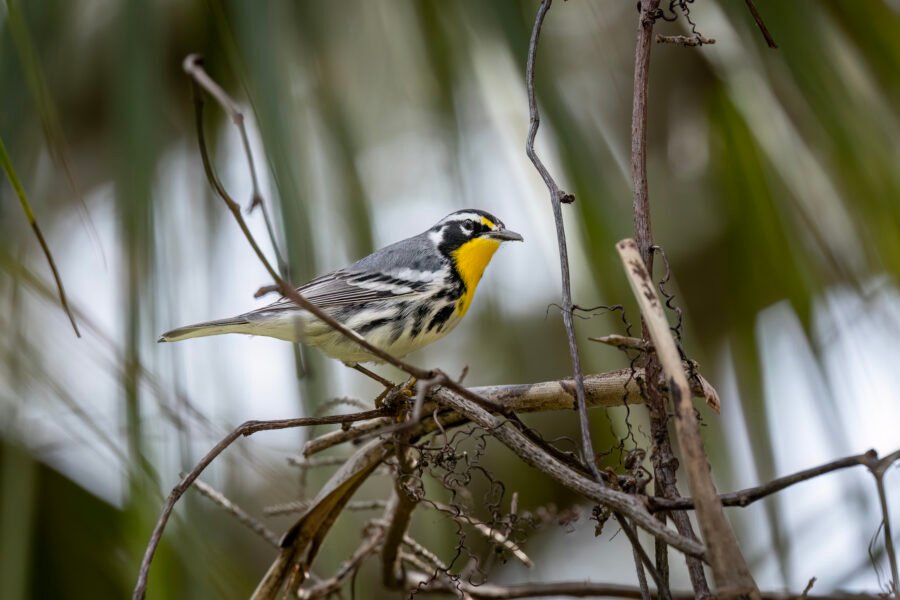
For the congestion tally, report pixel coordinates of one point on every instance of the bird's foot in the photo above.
(397, 393)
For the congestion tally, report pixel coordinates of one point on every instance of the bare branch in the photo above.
(750, 495)
(762, 26)
(398, 515)
(587, 589)
(333, 584)
(532, 454)
(193, 66)
(684, 40)
(664, 462)
(557, 198)
(247, 429)
(730, 571)
(239, 513)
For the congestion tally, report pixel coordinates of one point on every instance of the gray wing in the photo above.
(343, 288)
(395, 271)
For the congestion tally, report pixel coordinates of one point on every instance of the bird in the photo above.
(400, 298)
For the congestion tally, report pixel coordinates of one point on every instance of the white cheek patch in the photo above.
(436, 237)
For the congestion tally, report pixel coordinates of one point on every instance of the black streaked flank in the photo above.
(397, 331)
(441, 317)
(373, 325)
(419, 318)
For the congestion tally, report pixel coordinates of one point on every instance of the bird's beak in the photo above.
(505, 235)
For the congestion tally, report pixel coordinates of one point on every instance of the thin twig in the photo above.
(878, 470)
(750, 495)
(32, 220)
(239, 513)
(557, 198)
(340, 436)
(193, 66)
(333, 584)
(500, 538)
(762, 26)
(246, 429)
(623, 342)
(587, 589)
(642, 561)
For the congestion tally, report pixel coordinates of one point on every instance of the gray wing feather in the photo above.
(349, 286)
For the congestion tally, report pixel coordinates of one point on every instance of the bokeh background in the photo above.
(775, 189)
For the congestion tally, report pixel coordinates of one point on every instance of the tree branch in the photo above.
(688, 41)
(762, 26)
(247, 429)
(750, 495)
(193, 66)
(506, 432)
(730, 571)
(243, 517)
(587, 589)
(557, 198)
(664, 462)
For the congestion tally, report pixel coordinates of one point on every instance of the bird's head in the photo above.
(470, 228)
(469, 239)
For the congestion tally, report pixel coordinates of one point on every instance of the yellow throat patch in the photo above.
(471, 258)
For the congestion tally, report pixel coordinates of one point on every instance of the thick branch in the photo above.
(730, 571)
(532, 454)
(663, 458)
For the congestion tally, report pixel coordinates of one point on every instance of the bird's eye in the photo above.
(469, 224)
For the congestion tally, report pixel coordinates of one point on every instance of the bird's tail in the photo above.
(233, 325)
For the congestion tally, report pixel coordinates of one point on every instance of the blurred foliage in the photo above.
(773, 178)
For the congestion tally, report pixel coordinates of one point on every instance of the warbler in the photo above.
(399, 298)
